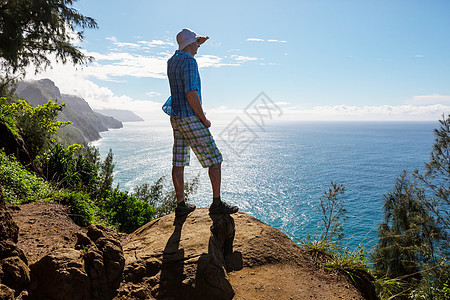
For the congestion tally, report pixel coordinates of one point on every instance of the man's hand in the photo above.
(194, 102)
(207, 123)
(202, 39)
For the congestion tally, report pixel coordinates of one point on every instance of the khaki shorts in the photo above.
(189, 132)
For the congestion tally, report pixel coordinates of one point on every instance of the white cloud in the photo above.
(262, 40)
(127, 64)
(241, 58)
(254, 40)
(205, 61)
(73, 81)
(156, 43)
(120, 44)
(420, 55)
(430, 99)
(367, 113)
(339, 113)
(141, 44)
(153, 94)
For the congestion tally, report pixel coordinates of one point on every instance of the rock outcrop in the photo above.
(13, 144)
(220, 257)
(93, 270)
(14, 271)
(199, 257)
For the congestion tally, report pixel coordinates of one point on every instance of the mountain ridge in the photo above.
(87, 124)
(122, 115)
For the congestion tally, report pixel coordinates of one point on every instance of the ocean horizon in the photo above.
(278, 173)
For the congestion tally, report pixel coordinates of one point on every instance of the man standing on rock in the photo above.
(190, 125)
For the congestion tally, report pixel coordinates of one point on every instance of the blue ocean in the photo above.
(278, 173)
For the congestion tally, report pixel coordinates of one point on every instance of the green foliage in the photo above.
(435, 283)
(70, 168)
(332, 209)
(412, 255)
(126, 211)
(349, 262)
(333, 256)
(35, 124)
(31, 30)
(7, 115)
(20, 185)
(162, 200)
(106, 175)
(437, 180)
(391, 288)
(406, 237)
(82, 207)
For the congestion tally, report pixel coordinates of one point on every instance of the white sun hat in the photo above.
(186, 37)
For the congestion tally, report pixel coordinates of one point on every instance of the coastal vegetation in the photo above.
(410, 260)
(411, 257)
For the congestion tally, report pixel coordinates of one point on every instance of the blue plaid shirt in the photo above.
(182, 71)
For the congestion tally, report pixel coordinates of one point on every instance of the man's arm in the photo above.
(194, 102)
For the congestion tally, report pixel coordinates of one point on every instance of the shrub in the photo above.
(35, 124)
(164, 201)
(125, 211)
(69, 168)
(19, 184)
(82, 208)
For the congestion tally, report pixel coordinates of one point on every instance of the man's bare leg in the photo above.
(178, 182)
(218, 206)
(215, 175)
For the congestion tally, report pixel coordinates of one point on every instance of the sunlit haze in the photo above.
(316, 60)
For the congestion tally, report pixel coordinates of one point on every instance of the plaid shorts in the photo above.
(190, 132)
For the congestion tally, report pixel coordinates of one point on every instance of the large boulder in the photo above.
(190, 258)
(6, 293)
(61, 275)
(223, 257)
(91, 271)
(13, 144)
(8, 229)
(14, 271)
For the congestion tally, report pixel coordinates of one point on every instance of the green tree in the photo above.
(125, 211)
(406, 250)
(31, 30)
(405, 235)
(333, 211)
(106, 175)
(436, 178)
(35, 124)
(162, 200)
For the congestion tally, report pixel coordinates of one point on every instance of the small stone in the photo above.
(6, 293)
(139, 293)
(94, 233)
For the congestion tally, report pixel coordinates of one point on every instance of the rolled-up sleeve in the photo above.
(190, 76)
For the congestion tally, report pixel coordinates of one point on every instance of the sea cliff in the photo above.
(199, 257)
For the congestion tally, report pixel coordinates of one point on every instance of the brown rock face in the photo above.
(199, 257)
(222, 257)
(180, 258)
(94, 271)
(16, 146)
(61, 275)
(14, 271)
(8, 229)
(6, 293)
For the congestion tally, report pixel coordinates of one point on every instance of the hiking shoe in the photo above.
(222, 208)
(184, 210)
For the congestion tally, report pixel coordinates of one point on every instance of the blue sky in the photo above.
(329, 59)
